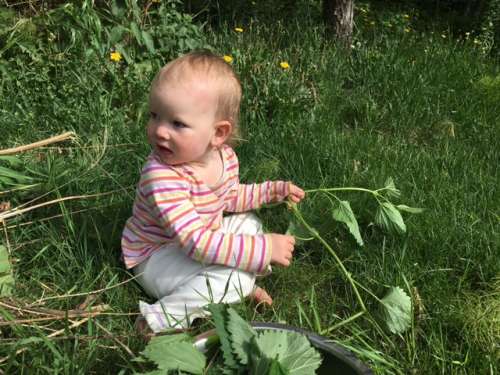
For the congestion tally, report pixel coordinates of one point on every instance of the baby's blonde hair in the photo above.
(211, 67)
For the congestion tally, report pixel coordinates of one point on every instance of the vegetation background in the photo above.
(416, 97)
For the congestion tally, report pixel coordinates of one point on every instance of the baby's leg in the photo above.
(185, 303)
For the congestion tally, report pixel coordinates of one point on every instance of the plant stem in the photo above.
(341, 189)
(315, 233)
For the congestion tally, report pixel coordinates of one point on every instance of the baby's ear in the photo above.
(223, 130)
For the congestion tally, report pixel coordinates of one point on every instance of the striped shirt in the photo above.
(173, 206)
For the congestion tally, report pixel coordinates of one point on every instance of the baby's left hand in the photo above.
(296, 194)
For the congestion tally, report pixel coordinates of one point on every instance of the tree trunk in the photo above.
(338, 15)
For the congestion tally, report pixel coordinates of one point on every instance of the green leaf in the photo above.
(396, 310)
(241, 335)
(391, 189)
(134, 28)
(389, 218)
(175, 352)
(412, 210)
(344, 214)
(148, 41)
(293, 350)
(297, 230)
(7, 172)
(6, 278)
(220, 318)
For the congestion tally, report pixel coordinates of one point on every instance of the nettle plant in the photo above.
(237, 348)
(243, 350)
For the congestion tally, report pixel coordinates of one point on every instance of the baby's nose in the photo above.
(162, 132)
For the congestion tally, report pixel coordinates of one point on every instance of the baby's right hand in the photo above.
(282, 248)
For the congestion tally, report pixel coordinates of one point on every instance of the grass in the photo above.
(412, 105)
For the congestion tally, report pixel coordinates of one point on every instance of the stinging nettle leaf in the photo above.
(175, 353)
(344, 214)
(396, 310)
(220, 318)
(293, 350)
(389, 218)
(298, 231)
(391, 191)
(241, 335)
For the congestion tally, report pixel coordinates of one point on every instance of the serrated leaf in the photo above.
(396, 310)
(6, 278)
(344, 214)
(175, 353)
(220, 318)
(241, 335)
(298, 231)
(389, 218)
(293, 350)
(391, 191)
(412, 210)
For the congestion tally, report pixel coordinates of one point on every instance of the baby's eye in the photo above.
(179, 124)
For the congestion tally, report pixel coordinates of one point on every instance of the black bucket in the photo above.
(336, 359)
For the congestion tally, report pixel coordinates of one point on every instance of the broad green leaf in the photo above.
(391, 191)
(241, 335)
(344, 214)
(389, 218)
(276, 368)
(298, 231)
(293, 350)
(175, 352)
(220, 318)
(6, 278)
(396, 310)
(412, 210)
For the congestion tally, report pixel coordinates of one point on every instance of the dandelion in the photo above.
(407, 30)
(284, 65)
(228, 59)
(238, 29)
(407, 16)
(115, 56)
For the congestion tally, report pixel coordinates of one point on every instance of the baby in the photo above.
(183, 251)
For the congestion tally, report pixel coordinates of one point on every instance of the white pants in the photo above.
(183, 286)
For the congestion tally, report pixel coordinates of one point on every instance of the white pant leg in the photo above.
(181, 284)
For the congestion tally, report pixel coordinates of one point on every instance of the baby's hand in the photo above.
(282, 249)
(296, 194)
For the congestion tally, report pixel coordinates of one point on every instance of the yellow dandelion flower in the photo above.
(228, 59)
(238, 29)
(115, 56)
(407, 30)
(284, 65)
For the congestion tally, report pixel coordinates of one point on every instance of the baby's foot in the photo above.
(142, 329)
(260, 296)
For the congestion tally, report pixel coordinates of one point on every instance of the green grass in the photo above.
(415, 106)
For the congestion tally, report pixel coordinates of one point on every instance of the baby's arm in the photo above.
(247, 197)
(167, 197)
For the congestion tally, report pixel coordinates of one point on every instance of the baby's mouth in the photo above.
(164, 149)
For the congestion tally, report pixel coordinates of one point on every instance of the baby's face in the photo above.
(182, 120)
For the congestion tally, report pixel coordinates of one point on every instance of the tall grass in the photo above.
(414, 105)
